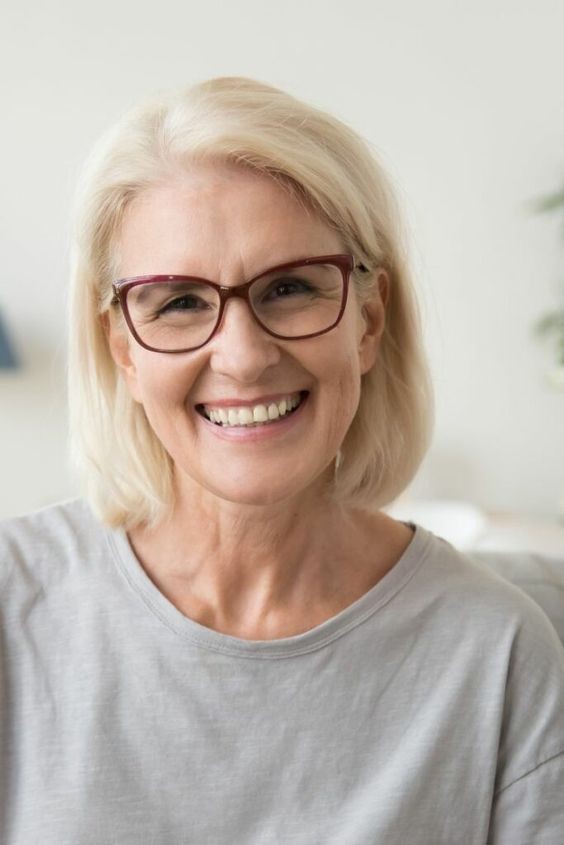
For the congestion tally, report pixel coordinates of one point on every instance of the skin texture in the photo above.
(251, 548)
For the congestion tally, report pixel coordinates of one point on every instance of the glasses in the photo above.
(290, 301)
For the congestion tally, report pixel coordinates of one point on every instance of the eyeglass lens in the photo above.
(183, 314)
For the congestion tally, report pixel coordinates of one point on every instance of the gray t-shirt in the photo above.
(429, 712)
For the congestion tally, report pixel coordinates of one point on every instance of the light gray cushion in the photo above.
(541, 577)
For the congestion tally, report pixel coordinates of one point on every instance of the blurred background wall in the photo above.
(461, 100)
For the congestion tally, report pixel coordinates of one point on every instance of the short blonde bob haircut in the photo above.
(126, 472)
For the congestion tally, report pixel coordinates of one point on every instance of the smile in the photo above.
(251, 416)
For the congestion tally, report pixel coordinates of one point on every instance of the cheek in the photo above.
(343, 382)
(349, 387)
(162, 388)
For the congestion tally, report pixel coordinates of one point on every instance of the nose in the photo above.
(241, 348)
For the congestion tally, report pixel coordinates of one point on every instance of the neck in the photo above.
(258, 570)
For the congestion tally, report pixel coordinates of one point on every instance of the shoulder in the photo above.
(470, 585)
(492, 627)
(55, 533)
(464, 577)
(446, 586)
(61, 519)
(539, 576)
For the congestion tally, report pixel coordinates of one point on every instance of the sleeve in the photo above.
(530, 811)
(528, 801)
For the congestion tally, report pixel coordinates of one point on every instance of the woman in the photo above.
(227, 640)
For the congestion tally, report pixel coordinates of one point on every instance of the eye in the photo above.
(188, 302)
(288, 286)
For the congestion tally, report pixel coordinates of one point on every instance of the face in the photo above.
(227, 225)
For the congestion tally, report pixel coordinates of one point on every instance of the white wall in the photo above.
(462, 100)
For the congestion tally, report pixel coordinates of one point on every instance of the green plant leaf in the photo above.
(550, 323)
(550, 202)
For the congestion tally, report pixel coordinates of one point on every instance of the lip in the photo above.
(260, 432)
(244, 403)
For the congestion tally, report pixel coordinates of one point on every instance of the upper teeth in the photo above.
(249, 415)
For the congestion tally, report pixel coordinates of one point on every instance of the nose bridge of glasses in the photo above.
(227, 292)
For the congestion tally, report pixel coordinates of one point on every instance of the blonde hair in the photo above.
(126, 471)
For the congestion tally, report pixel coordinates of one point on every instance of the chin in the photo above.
(254, 494)
(245, 487)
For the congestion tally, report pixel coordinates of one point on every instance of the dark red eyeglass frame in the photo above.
(345, 263)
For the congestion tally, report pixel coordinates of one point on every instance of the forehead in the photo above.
(219, 220)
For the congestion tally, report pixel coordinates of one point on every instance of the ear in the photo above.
(374, 319)
(118, 342)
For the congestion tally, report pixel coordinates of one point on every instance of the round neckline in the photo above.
(311, 640)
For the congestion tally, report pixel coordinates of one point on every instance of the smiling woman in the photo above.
(226, 640)
(255, 164)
